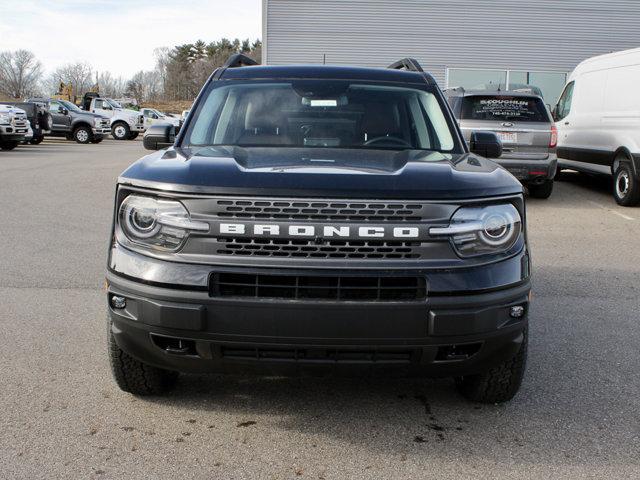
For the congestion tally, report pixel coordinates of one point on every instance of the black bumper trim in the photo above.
(355, 331)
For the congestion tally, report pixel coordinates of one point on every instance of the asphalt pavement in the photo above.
(576, 416)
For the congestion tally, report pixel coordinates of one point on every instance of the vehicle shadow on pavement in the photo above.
(595, 183)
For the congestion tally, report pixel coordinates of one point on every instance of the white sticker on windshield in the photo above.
(324, 103)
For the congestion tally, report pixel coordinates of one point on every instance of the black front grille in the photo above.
(309, 210)
(319, 287)
(311, 249)
(319, 355)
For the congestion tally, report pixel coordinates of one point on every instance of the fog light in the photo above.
(118, 302)
(517, 311)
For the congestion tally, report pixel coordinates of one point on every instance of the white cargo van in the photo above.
(598, 121)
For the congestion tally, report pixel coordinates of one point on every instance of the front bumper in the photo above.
(529, 170)
(101, 131)
(137, 127)
(448, 334)
(10, 132)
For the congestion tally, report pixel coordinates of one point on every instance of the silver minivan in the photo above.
(524, 125)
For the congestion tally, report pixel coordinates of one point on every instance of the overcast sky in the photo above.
(119, 35)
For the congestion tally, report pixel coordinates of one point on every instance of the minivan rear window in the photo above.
(504, 108)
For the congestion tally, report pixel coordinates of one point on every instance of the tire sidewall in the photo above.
(82, 134)
(625, 185)
(9, 145)
(122, 129)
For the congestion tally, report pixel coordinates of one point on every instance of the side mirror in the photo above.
(64, 111)
(485, 144)
(159, 136)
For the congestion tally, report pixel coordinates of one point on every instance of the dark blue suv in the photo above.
(319, 217)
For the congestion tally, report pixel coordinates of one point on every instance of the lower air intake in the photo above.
(319, 287)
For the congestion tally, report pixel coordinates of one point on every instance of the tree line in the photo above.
(179, 73)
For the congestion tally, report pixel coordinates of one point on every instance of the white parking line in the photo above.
(622, 215)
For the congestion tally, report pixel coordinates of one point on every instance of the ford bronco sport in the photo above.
(319, 217)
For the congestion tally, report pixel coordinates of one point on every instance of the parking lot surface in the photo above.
(576, 416)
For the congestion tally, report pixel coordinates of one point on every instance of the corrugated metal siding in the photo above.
(542, 35)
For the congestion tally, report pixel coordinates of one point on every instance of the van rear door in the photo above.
(523, 123)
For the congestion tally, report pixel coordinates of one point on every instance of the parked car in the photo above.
(40, 119)
(126, 124)
(598, 121)
(524, 125)
(153, 117)
(319, 217)
(71, 122)
(14, 126)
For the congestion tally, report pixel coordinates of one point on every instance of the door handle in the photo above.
(566, 123)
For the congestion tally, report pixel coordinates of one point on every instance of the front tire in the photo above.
(8, 144)
(542, 190)
(136, 377)
(500, 383)
(36, 140)
(626, 190)
(82, 134)
(97, 140)
(120, 131)
(133, 135)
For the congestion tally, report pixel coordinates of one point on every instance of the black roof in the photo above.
(327, 72)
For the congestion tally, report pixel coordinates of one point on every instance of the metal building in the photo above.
(461, 42)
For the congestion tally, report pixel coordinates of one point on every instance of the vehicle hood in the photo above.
(10, 109)
(324, 172)
(171, 120)
(126, 111)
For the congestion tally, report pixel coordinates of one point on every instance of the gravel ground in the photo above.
(577, 415)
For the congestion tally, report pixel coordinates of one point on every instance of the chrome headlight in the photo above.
(5, 118)
(482, 230)
(155, 223)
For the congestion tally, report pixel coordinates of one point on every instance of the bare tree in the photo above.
(20, 73)
(111, 86)
(145, 86)
(78, 75)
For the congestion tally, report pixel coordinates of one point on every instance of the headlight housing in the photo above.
(155, 223)
(4, 118)
(486, 230)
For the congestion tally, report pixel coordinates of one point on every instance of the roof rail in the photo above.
(410, 64)
(239, 60)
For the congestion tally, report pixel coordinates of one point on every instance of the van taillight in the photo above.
(554, 136)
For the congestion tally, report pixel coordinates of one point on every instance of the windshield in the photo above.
(70, 106)
(113, 103)
(504, 108)
(327, 113)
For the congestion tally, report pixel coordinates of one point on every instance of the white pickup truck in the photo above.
(14, 126)
(125, 124)
(152, 116)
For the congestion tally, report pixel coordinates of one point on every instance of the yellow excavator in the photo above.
(65, 92)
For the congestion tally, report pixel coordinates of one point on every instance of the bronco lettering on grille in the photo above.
(325, 231)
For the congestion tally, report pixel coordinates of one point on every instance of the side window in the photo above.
(564, 103)
(54, 107)
(98, 104)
